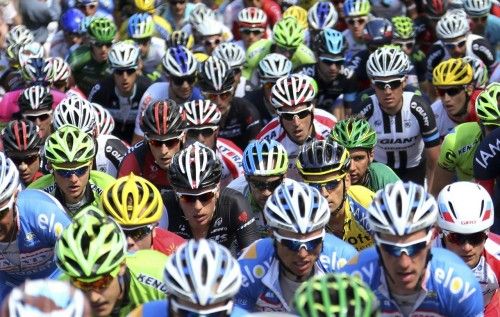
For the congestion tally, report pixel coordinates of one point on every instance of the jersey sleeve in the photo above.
(448, 156)
(434, 57)
(129, 164)
(427, 121)
(487, 158)
(243, 221)
(252, 120)
(482, 49)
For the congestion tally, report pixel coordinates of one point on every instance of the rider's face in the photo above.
(198, 208)
(7, 218)
(298, 126)
(331, 186)
(453, 102)
(469, 252)
(360, 161)
(72, 179)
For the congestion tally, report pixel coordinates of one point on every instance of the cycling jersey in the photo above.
(160, 308)
(401, 137)
(58, 47)
(449, 288)
(458, 148)
(9, 105)
(256, 97)
(231, 222)
(323, 122)
(110, 153)
(443, 121)
(486, 162)
(241, 124)
(425, 33)
(166, 14)
(260, 289)
(165, 241)
(12, 79)
(379, 175)
(86, 71)
(40, 220)
(98, 181)
(231, 158)
(152, 60)
(156, 92)
(353, 46)
(123, 109)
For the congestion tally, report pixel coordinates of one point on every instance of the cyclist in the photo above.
(92, 254)
(61, 78)
(177, 13)
(408, 139)
(163, 123)
(459, 146)
(92, 8)
(235, 57)
(17, 37)
(22, 144)
(162, 26)
(356, 14)
(425, 23)
(334, 294)
(265, 164)
(137, 206)
(405, 272)
(197, 207)
(252, 27)
(180, 66)
(271, 68)
(187, 293)
(240, 121)
(453, 81)
(232, 10)
(202, 125)
(465, 216)
(359, 138)
(69, 37)
(110, 150)
(288, 40)
(89, 62)
(210, 33)
(322, 15)
(298, 119)
(122, 91)
(298, 249)
(324, 165)
(70, 153)
(30, 225)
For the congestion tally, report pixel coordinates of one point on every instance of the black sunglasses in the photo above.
(450, 91)
(178, 81)
(460, 239)
(34, 117)
(168, 143)
(393, 84)
(139, 233)
(101, 44)
(143, 41)
(195, 132)
(120, 72)
(330, 62)
(271, 186)
(252, 31)
(177, 2)
(353, 21)
(28, 160)
(191, 199)
(407, 45)
(212, 42)
(451, 46)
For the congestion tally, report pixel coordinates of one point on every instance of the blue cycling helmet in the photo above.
(378, 32)
(36, 71)
(265, 158)
(322, 15)
(71, 19)
(141, 25)
(84, 24)
(330, 41)
(179, 61)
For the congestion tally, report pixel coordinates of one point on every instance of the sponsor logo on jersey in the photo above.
(332, 261)
(109, 149)
(418, 108)
(253, 273)
(484, 156)
(484, 50)
(398, 140)
(152, 282)
(454, 283)
(243, 217)
(49, 223)
(218, 222)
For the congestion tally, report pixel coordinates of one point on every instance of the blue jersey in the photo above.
(260, 289)
(41, 220)
(159, 308)
(448, 289)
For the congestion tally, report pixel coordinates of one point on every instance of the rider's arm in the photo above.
(243, 221)
(482, 49)
(446, 164)
(128, 165)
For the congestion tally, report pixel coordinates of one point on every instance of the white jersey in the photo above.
(443, 122)
(156, 52)
(231, 157)
(110, 152)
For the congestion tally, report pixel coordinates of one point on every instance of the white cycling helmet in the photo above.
(179, 61)
(231, 53)
(19, 35)
(477, 8)
(75, 111)
(296, 207)
(124, 55)
(104, 120)
(202, 272)
(9, 178)
(274, 66)
(209, 26)
(30, 50)
(322, 15)
(60, 69)
(292, 90)
(252, 17)
(402, 208)
(201, 113)
(387, 62)
(452, 25)
(199, 13)
(465, 208)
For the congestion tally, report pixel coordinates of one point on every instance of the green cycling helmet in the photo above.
(487, 105)
(102, 30)
(69, 144)
(335, 295)
(288, 33)
(354, 133)
(91, 246)
(403, 28)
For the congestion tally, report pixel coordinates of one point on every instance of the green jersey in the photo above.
(458, 149)
(86, 70)
(379, 175)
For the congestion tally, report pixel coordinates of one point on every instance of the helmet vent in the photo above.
(482, 209)
(452, 210)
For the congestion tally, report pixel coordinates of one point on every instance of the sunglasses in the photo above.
(205, 132)
(393, 84)
(296, 244)
(261, 186)
(411, 249)
(139, 233)
(68, 172)
(482, 19)
(353, 21)
(461, 239)
(28, 160)
(408, 45)
(101, 44)
(330, 185)
(191, 199)
(450, 91)
(251, 31)
(186, 311)
(87, 6)
(72, 34)
(289, 116)
(98, 285)
(453, 45)
(212, 42)
(177, 2)
(329, 62)
(168, 142)
(223, 95)
(5, 210)
(143, 41)
(34, 117)
(178, 81)
(120, 72)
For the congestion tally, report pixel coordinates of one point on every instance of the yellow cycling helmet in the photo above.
(453, 72)
(133, 201)
(299, 13)
(200, 57)
(145, 5)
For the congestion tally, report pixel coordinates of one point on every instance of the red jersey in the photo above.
(165, 241)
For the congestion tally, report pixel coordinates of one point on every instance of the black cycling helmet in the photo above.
(378, 32)
(215, 75)
(323, 156)
(36, 98)
(195, 167)
(21, 136)
(163, 118)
